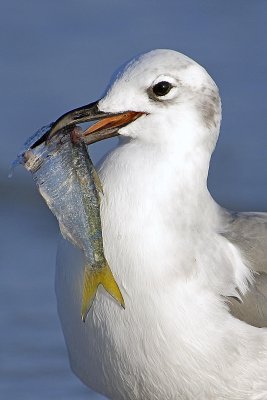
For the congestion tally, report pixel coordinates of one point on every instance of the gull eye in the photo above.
(162, 88)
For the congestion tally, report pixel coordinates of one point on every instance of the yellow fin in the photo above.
(91, 280)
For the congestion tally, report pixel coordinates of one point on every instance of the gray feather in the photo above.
(248, 231)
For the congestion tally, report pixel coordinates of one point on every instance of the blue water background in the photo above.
(57, 55)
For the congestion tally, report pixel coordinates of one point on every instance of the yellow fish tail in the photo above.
(91, 280)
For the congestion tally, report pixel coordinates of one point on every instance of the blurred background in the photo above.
(57, 55)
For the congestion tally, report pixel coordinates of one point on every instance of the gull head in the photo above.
(160, 97)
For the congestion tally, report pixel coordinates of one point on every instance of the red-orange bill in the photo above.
(109, 126)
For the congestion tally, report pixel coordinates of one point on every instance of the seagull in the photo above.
(193, 274)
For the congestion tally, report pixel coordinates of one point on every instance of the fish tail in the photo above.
(91, 280)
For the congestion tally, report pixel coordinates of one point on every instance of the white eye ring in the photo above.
(169, 85)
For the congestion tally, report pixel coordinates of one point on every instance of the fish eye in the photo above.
(162, 88)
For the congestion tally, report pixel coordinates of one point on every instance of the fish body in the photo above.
(67, 180)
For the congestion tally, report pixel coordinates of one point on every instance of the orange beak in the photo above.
(107, 126)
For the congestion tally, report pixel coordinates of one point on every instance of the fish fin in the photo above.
(97, 181)
(91, 280)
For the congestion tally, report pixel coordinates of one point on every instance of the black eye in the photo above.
(162, 88)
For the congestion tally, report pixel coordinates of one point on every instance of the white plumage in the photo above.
(166, 242)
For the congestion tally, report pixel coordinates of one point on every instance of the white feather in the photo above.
(176, 338)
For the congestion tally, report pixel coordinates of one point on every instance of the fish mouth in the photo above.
(107, 125)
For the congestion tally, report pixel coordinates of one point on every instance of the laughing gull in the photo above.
(193, 274)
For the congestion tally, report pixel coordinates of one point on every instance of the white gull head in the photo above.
(180, 98)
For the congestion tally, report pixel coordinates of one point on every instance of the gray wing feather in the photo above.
(248, 231)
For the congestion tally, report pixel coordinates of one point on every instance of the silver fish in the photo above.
(67, 180)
